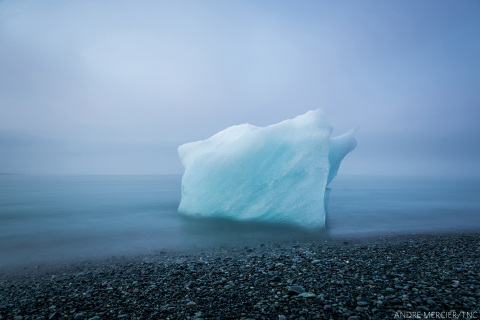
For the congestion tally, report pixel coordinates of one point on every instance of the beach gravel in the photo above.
(382, 277)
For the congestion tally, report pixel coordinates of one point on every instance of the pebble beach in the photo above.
(375, 277)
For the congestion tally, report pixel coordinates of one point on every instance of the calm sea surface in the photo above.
(60, 218)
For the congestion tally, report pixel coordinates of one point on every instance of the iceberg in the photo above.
(278, 173)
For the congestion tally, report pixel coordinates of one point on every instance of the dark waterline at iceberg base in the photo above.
(51, 219)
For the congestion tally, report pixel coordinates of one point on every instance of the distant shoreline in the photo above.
(343, 277)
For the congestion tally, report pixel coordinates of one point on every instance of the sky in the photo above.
(115, 86)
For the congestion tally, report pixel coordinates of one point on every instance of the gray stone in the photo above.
(55, 315)
(190, 285)
(362, 303)
(295, 290)
(275, 279)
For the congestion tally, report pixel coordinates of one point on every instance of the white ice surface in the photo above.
(277, 173)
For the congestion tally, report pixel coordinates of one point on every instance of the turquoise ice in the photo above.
(277, 173)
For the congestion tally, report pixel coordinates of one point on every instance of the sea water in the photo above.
(54, 219)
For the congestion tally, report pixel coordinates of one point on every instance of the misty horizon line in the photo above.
(348, 175)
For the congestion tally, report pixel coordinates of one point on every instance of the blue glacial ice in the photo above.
(277, 173)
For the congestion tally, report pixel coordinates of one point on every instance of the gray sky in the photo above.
(115, 86)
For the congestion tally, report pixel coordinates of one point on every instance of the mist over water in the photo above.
(51, 219)
(401, 204)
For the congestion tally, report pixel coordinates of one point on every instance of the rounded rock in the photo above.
(295, 290)
(307, 295)
(362, 303)
(55, 315)
(275, 279)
